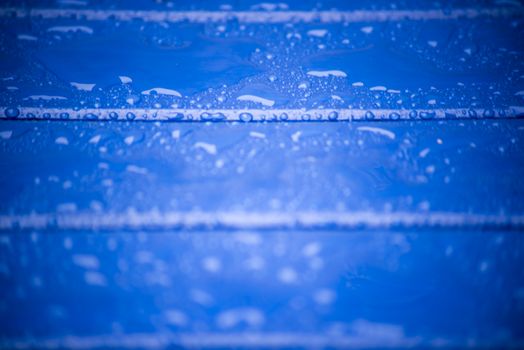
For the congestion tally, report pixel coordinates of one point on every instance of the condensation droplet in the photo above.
(246, 117)
(333, 115)
(427, 115)
(489, 113)
(394, 116)
(12, 112)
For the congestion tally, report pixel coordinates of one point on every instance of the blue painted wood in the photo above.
(261, 175)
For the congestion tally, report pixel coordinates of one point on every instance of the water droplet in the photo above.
(113, 115)
(64, 115)
(369, 115)
(333, 115)
(213, 117)
(502, 113)
(283, 116)
(176, 116)
(46, 115)
(130, 116)
(413, 114)
(306, 116)
(133, 99)
(472, 113)
(489, 113)
(12, 112)
(394, 116)
(90, 116)
(427, 115)
(246, 117)
(30, 115)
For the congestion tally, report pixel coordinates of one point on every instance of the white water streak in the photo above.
(254, 220)
(263, 16)
(259, 115)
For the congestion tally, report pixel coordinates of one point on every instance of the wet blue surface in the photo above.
(470, 63)
(405, 288)
(115, 166)
(291, 182)
(189, 64)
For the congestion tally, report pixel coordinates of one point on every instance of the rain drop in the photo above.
(333, 115)
(246, 117)
(427, 115)
(12, 112)
(214, 117)
(394, 116)
(176, 116)
(489, 113)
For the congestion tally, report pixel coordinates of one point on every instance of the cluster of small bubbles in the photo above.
(283, 116)
(427, 115)
(394, 116)
(489, 113)
(369, 115)
(12, 112)
(113, 115)
(333, 115)
(212, 117)
(472, 113)
(130, 116)
(306, 116)
(90, 116)
(413, 114)
(246, 117)
(64, 115)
